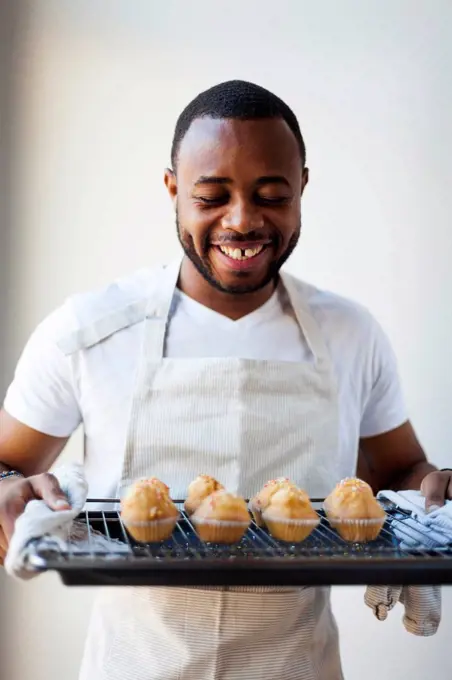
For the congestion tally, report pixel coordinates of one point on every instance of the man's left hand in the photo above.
(437, 488)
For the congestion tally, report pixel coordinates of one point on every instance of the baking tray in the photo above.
(258, 560)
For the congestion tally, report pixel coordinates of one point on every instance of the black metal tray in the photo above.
(258, 560)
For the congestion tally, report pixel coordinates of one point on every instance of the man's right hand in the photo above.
(16, 492)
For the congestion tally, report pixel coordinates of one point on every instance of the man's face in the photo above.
(237, 192)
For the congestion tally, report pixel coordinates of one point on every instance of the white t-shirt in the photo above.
(53, 393)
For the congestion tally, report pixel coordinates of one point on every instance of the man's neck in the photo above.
(193, 284)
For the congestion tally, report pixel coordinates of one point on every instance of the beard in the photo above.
(203, 266)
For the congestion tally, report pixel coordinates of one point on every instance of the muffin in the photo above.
(260, 501)
(222, 517)
(158, 484)
(354, 512)
(352, 482)
(200, 488)
(290, 516)
(147, 511)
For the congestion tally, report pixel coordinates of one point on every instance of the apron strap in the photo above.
(157, 313)
(308, 324)
(101, 329)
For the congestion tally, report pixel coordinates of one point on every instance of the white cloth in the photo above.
(56, 526)
(39, 520)
(53, 392)
(421, 530)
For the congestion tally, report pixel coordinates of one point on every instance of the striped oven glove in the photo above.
(415, 529)
(422, 606)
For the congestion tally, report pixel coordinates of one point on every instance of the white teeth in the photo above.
(237, 254)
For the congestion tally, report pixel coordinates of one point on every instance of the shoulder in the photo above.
(89, 306)
(81, 310)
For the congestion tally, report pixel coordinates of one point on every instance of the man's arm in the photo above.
(31, 453)
(26, 450)
(40, 410)
(390, 454)
(396, 460)
(39, 415)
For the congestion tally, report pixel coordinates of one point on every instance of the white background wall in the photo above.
(99, 87)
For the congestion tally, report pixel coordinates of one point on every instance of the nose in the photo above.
(242, 216)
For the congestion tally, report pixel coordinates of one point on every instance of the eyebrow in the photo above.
(205, 179)
(269, 179)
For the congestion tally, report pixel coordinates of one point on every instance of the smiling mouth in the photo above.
(247, 253)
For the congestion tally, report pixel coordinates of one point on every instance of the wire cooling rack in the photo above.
(103, 553)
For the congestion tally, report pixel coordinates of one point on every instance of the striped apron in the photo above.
(244, 422)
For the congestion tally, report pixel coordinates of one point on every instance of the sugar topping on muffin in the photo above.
(222, 517)
(290, 503)
(353, 499)
(199, 489)
(148, 512)
(223, 506)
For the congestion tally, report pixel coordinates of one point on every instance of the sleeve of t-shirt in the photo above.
(384, 406)
(42, 393)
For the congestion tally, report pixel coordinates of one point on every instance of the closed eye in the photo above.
(219, 200)
(279, 200)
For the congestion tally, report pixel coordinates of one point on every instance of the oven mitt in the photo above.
(422, 606)
(56, 526)
(416, 530)
(420, 529)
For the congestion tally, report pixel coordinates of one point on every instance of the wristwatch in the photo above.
(10, 473)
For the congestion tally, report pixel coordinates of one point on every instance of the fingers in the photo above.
(436, 487)
(11, 509)
(3, 541)
(19, 493)
(3, 547)
(449, 488)
(46, 486)
(15, 494)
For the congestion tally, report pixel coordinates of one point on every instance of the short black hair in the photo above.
(236, 99)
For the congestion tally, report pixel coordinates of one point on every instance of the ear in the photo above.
(171, 184)
(304, 179)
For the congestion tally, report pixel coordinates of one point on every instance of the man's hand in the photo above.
(437, 488)
(15, 493)
(33, 453)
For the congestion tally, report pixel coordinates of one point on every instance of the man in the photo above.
(217, 364)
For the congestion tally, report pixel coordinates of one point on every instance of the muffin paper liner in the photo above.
(290, 530)
(153, 531)
(356, 530)
(219, 531)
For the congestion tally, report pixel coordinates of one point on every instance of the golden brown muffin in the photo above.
(354, 512)
(290, 516)
(200, 488)
(147, 511)
(260, 501)
(351, 483)
(222, 517)
(159, 484)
